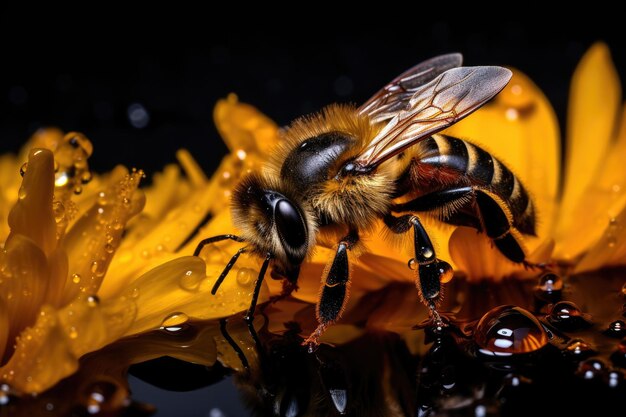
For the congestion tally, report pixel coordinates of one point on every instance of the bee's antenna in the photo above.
(227, 269)
(257, 287)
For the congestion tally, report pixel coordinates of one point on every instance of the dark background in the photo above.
(84, 73)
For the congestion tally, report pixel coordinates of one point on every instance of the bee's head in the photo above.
(273, 220)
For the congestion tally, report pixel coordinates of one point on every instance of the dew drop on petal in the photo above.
(174, 320)
(23, 169)
(76, 278)
(190, 280)
(508, 330)
(246, 276)
(93, 301)
(86, 177)
(21, 194)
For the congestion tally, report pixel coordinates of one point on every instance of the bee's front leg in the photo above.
(335, 289)
(431, 272)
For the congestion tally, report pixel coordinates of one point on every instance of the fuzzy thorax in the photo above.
(354, 200)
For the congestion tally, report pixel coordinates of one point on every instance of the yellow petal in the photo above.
(243, 127)
(595, 97)
(520, 128)
(183, 285)
(92, 241)
(24, 275)
(476, 256)
(32, 215)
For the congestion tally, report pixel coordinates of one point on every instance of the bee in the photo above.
(335, 174)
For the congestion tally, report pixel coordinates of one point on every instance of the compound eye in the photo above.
(290, 225)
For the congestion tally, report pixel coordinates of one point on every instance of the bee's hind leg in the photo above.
(431, 272)
(335, 289)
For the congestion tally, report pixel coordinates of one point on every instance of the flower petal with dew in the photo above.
(61, 250)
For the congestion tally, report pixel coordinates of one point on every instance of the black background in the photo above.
(83, 72)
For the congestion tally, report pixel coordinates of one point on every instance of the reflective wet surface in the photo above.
(552, 346)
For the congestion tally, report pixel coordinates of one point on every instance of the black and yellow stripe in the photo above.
(450, 162)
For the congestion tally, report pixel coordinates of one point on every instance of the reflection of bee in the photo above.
(343, 169)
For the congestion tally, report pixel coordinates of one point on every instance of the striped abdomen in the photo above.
(443, 162)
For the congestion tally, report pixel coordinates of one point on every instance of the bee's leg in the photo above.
(335, 288)
(475, 207)
(257, 287)
(431, 272)
(259, 281)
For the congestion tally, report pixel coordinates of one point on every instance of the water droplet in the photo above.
(109, 248)
(102, 396)
(508, 330)
(427, 253)
(75, 278)
(246, 276)
(213, 255)
(445, 271)
(616, 329)
(102, 198)
(94, 266)
(174, 320)
(134, 293)
(93, 300)
(412, 264)
(591, 369)
(5, 392)
(624, 290)
(23, 169)
(58, 210)
(549, 285)
(78, 190)
(567, 316)
(578, 349)
(73, 334)
(190, 280)
(21, 194)
(86, 177)
(614, 379)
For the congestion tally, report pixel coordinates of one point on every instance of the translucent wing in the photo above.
(394, 97)
(434, 106)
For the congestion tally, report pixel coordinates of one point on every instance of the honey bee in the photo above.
(338, 172)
